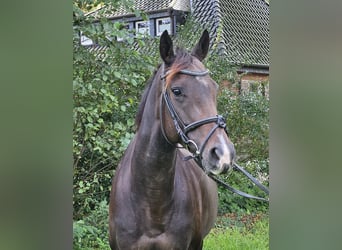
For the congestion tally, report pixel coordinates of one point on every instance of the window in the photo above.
(86, 40)
(143, 27)
(163, 24)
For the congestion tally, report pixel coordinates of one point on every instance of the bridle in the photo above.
(183, 130)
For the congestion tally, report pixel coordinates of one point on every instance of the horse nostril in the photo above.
(216, 153)
(226, 167)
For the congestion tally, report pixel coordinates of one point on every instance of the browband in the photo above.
(188, 72)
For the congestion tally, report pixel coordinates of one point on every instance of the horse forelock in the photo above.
(182, 61)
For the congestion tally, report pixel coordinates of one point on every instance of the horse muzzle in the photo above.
(220, 158)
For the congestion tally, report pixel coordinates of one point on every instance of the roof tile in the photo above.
(245, 34)
(143, 5)
(244, 23)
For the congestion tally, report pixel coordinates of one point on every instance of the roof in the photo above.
(243, 27)
(148, 6)
(240, 26)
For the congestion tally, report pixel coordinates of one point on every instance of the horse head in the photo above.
(188, 110)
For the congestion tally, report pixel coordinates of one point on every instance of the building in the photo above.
(240, 26)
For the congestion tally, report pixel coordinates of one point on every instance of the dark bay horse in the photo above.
(159, 200)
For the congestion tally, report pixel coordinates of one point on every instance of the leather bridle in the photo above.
(183, 130)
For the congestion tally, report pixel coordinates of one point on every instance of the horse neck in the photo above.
(153, 161)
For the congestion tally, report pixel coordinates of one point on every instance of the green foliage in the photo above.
(230, 202)
(92, 231)
(107, 86)
(248, 125)
(247, 117)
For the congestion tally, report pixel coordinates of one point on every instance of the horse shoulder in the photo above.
(200, 192)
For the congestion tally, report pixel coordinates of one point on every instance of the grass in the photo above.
(246, 232)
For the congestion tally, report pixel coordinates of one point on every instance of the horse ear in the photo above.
(201, 49)
(166, 48)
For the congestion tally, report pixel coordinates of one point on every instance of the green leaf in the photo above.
(134, 82)
(117, 74)
(117, 25)
(130, 122)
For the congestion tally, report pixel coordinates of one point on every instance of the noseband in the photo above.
(182, 128)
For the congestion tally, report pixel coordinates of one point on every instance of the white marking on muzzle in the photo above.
(227, 153)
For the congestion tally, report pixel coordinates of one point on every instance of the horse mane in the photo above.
(144, 96)
(181, 61)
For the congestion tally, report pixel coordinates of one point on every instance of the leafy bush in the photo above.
(247, 117)
(92, 231)
(107, 86)
(229, 202)
(248, 126)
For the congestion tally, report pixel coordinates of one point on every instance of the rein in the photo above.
(183, 129)
(249, 176)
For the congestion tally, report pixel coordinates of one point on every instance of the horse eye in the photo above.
(176, 91)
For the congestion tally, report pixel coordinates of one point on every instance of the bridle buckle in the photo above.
(197, 152)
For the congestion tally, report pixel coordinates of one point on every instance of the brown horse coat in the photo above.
(158, 200)
(179, 222)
